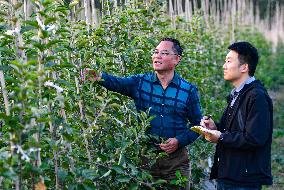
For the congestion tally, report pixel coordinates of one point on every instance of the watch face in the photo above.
(220, 138)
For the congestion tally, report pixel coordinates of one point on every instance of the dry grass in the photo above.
(278, 141)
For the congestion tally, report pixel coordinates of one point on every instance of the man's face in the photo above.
(233, 70)
(164, 58)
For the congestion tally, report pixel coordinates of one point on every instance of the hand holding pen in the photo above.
(207, 122)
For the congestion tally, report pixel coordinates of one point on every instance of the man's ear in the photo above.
(244, 68)
(178, 59)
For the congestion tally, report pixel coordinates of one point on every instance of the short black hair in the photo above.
(247, 54)
(176, 45)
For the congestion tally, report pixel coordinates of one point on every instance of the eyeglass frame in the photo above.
(163, 53)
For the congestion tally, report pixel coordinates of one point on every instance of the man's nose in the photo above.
(224, 65)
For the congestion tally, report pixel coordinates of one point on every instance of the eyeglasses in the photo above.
(163, 53)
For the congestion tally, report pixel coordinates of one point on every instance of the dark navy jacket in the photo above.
(243, 153)
(173, 108)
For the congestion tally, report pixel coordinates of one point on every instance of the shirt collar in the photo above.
(175, 79)
(249, 80)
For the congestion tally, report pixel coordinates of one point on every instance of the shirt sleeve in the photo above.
(257, 127)
(122, 85)
(194, 116)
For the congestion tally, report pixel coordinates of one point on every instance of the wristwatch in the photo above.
(220, 139)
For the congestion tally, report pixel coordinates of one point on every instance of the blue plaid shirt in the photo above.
(174, 108)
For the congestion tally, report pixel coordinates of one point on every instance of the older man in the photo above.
(171, 99)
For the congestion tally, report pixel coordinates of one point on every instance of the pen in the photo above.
(208, 117)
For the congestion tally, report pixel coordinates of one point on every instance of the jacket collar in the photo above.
(245, 88)
(251, 85)
(248, 81)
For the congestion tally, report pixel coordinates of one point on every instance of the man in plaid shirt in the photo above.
(171, 99)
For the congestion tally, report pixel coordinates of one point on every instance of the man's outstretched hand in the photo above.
(90, 75)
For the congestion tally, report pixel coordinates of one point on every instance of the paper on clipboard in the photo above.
(201, 130)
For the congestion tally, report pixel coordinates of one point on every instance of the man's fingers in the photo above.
(170, 146)
(168, 149)
(164, 145)
(204, 122)
(89, 74)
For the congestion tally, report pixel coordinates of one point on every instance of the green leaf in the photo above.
(32, 23)
(49, 20)
(134, 170)
(89, 174)
(88, 187)
(62, 174)
(73, 4)
(160, 181)
(133, 186)
(118, 169)
(32, 62)
(106, 174)
(123, 179)
(46, 3)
